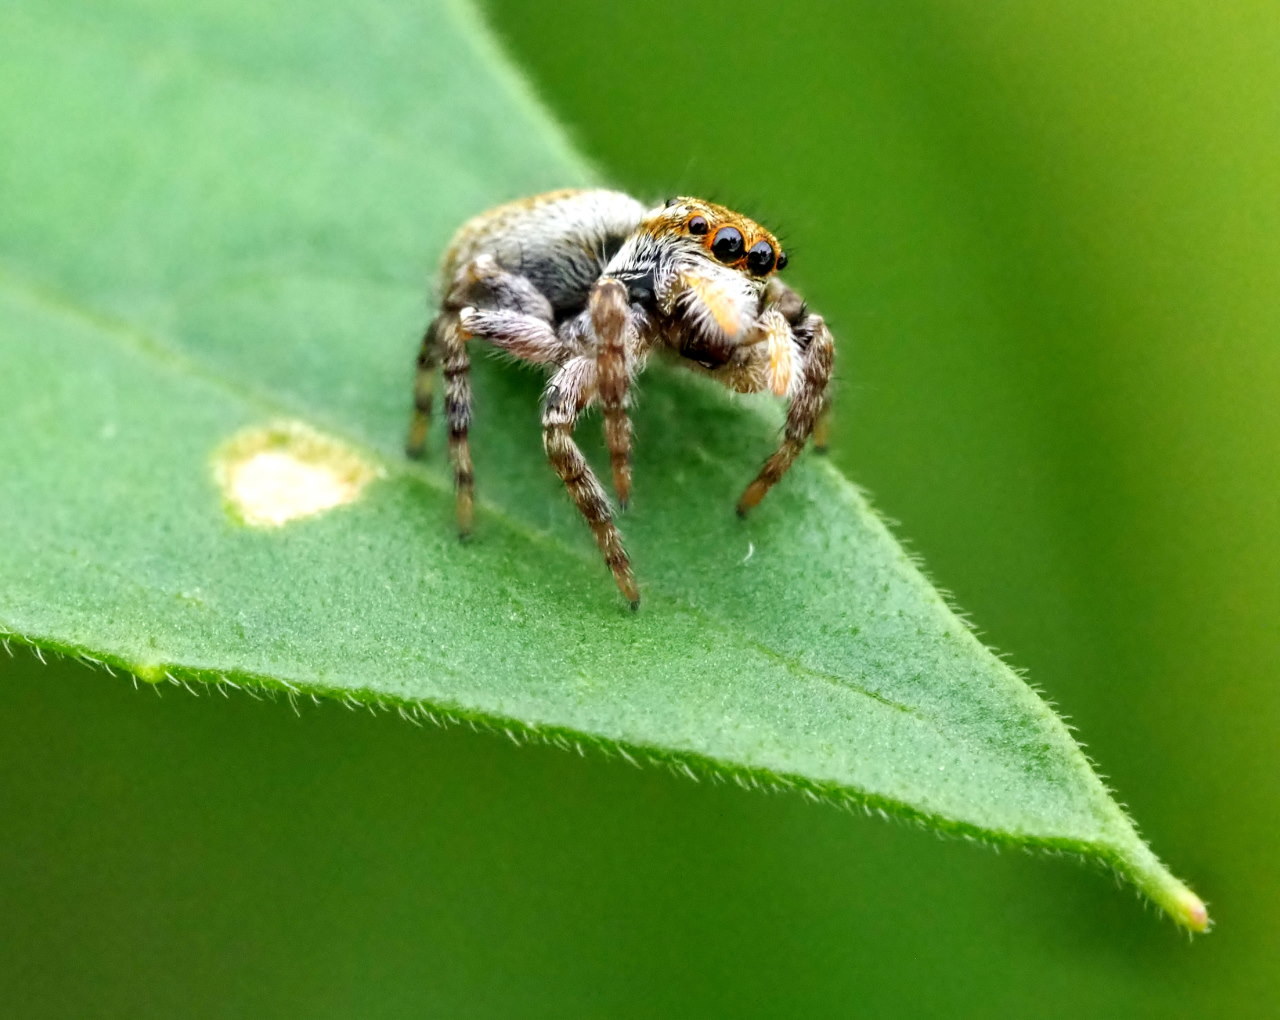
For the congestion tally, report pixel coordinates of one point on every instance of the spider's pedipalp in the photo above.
(773, 330)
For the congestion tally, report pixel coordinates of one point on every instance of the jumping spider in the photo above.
(589, 283)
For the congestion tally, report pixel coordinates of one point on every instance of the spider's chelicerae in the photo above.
(590, 283)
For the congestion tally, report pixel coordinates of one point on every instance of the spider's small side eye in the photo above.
(782, 261)
(760, 258)
(698, 225)
(728, 244)
(670, 202)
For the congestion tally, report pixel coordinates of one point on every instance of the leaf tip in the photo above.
(1190, 911)
(1174, 898)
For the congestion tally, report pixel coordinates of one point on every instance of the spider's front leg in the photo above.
(609, 307)
(603, 374)
(806, 413)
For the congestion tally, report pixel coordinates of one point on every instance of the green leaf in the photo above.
(218, 222)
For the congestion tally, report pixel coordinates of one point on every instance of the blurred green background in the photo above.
(1048, 238)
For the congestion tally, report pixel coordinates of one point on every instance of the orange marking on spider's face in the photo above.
(679, 217)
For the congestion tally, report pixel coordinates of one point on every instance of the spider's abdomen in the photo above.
(560, 241)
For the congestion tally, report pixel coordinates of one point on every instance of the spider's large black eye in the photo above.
(728, 244)
(760, 258)
(698, 225)
(782, 261)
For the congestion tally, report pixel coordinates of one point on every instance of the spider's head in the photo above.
(713, 265)
(703, 268)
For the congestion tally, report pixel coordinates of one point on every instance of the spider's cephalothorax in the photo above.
(590, 283)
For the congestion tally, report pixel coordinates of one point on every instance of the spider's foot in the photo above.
(622, 481)
(752, 496)
(464, 515)
(415, 443)
(822, 433)
(625, 580)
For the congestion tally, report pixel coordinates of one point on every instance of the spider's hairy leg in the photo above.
(610, 311)
(481, 281)
(523, 336)
(570, 390)
(424, 385)
(808, 401)
(457, 405)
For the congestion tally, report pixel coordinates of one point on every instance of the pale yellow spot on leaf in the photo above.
(277, 473)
